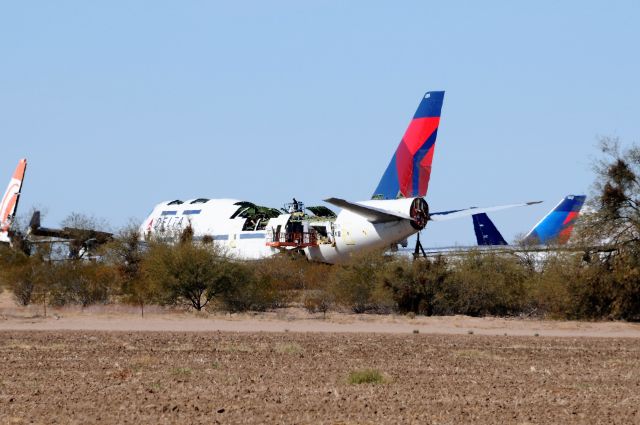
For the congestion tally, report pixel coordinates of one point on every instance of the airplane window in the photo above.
(200, 201)
(176, 202)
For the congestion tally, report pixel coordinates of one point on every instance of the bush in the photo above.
(366, 376)
(318, 301)
(415, 284)
(126, 254)
(186, 273)
(550, 286)
(485, 284)
(81, 282)
(356, 284)
(626, 292)
(248, 290)
(27, 277)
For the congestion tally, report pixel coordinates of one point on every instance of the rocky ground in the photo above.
(289, 377)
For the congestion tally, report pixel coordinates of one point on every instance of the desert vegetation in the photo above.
(598, 278)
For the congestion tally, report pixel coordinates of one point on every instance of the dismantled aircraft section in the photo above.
(229, 222)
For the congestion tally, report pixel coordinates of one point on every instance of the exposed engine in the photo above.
(419, 212)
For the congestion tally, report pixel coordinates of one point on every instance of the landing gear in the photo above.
(419, 249)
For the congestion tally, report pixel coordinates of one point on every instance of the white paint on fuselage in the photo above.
(356, 233)
(350, 232)
(208, 219)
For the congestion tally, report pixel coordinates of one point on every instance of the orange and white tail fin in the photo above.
(10, 198)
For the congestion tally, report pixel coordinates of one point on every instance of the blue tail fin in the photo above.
(409, 171)
(557, 225)
(486, 231)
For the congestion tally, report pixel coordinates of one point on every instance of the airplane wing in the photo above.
(450, 215)
(374, 215)
(36, 229)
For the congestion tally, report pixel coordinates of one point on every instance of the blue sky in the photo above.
(120, 105)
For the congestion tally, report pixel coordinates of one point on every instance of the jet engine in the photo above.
(419, 212)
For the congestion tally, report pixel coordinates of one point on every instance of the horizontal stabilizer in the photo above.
(374, 215)
(450, 215)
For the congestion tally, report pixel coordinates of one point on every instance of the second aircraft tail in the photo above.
(557, 225)
(10, 198)
(486, 231)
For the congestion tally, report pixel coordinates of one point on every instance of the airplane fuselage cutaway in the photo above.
(247, 231)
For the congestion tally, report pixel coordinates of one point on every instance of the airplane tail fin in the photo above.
(10, 199)
(557, 225)
(486, 231)
(408, 173)
(34, 223)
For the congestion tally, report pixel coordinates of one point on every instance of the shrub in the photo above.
(550, 287)
(626, 292)
(356, 283)
(483, 284)
(246, 289)
(29, 278)
(366, 376)
(415, 284)
(318, 301)
(81, 282)
(186, 273)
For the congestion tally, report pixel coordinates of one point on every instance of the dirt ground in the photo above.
(106, 364)
(288, 377)
(116, 317)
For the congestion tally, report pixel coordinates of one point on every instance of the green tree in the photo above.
(126, 254)
(616, 198)
(610, 284)
(186, 273)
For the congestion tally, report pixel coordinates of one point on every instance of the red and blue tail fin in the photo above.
(557, 225)
(486, 231)
(408, 173)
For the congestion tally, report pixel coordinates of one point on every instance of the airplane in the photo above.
(79, 241)
(396, 211)
(9, 203)
(554, 228)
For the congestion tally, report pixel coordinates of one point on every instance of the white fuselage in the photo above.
(348, 233)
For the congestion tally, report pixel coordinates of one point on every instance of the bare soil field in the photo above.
(288, 377)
